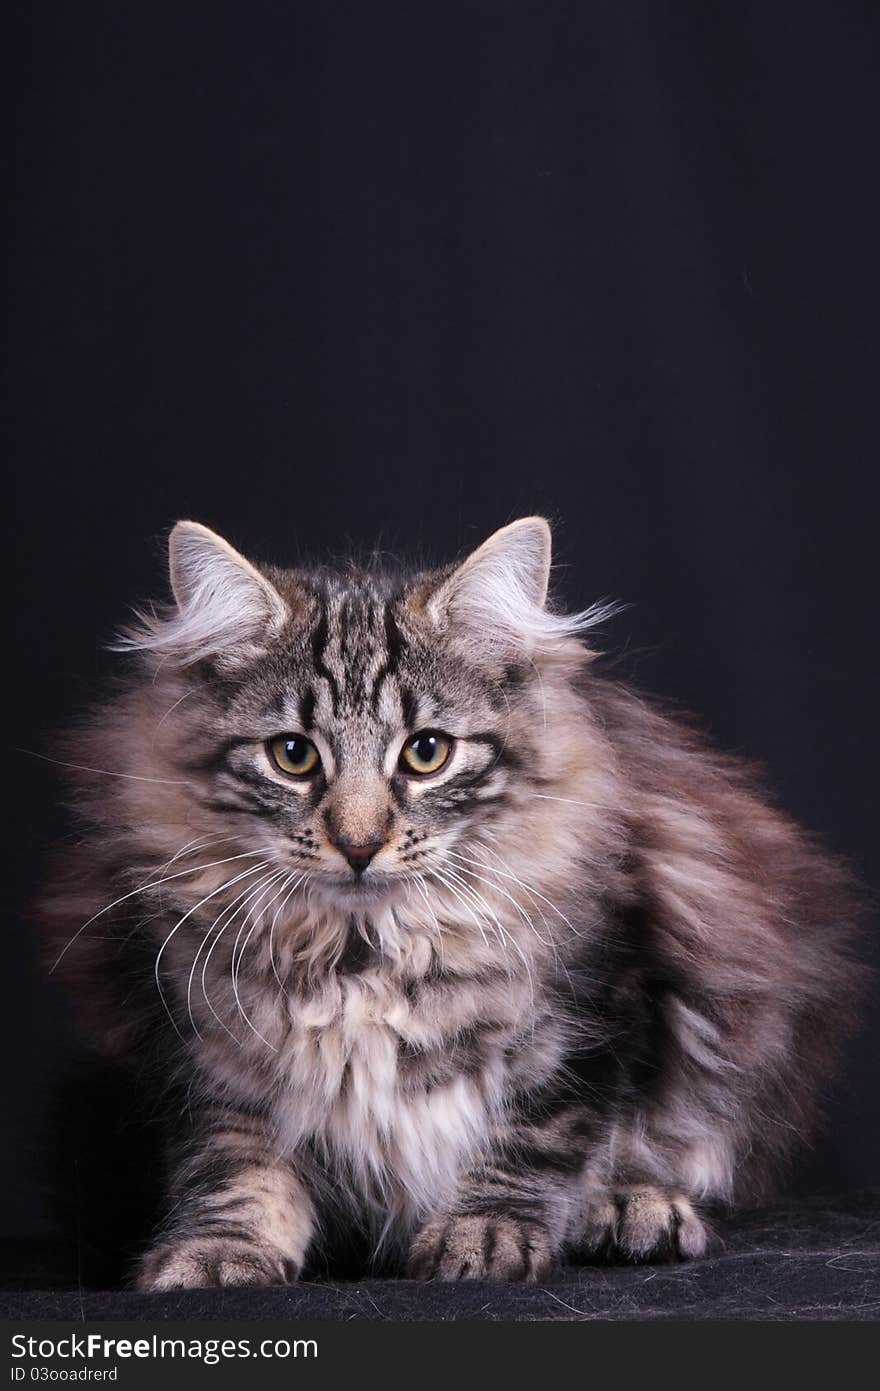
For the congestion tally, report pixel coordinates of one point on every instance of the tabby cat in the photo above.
(416, 922)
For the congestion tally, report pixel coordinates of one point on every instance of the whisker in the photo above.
(203, 842)
(571, 801)
(536, 895)
(233, 909)
(105, 772)
(272, 879)
(439, 874)
(507, 873)
(177, 702)
(420, 884)
(155, 884)
(235, 969)
(499, 888)
(254, 869)
(206, 937)
(502, 936)
(501, 930)
(560, 965)
(278, 911)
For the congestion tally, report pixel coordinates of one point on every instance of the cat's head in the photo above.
(355, 727)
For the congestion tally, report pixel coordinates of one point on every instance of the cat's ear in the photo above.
(495, 602)
(212, 579)
(497, 595)
(224, 607)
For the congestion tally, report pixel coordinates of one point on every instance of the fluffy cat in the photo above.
(416, 922)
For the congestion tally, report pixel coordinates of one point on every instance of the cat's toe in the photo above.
(199, 1263)
(481, 1247)
(655, 1225)
(644, 1223)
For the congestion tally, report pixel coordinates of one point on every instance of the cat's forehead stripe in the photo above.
(319, 648)
(356, 648)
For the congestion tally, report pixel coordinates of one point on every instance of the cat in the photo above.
(416, 923)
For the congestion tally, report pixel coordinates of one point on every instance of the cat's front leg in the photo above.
(238, 1213)
(644, 1188)
(511, 1214)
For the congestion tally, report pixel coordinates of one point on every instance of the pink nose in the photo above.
(358, 856)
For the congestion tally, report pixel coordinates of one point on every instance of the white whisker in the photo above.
(235, 968)
(154, 884)
(571, 801)
(440, 874)
(499, 888)
(420, 884)
(254, 869)
(248, 889)
(234, 908)
(275, 916)
(105, 772)
(171, 711)
(203, 842)
(534, 894)
(502, 932)
(507, 873)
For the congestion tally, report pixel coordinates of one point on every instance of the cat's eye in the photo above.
(426, 752)
(295, 755)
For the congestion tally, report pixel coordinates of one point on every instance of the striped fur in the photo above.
(588, 985)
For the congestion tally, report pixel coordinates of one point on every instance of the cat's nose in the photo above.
(360, 854)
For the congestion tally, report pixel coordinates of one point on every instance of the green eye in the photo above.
(426, 752)
(294, 754)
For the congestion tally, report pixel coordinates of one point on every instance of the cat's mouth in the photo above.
(353, 888)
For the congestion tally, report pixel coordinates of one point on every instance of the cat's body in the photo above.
(549, 993)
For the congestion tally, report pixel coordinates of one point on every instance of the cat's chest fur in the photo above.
(394, 1086)
(369, 1085)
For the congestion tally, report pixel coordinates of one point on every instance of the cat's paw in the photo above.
(643, 1223)
(478, 1247)
(197, 1262)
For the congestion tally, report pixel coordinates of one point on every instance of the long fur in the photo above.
(589, 986)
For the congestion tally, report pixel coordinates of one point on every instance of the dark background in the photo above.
(324, 274)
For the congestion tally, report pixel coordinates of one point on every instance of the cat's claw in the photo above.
(478, 1247)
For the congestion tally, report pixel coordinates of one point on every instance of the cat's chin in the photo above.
(353, 894)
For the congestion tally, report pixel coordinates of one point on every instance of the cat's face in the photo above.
(363, 748)
(354, 730)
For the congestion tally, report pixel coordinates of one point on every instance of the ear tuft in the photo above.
(496, 598)
(225, 607)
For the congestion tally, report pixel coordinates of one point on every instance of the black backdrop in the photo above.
(329, 274)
